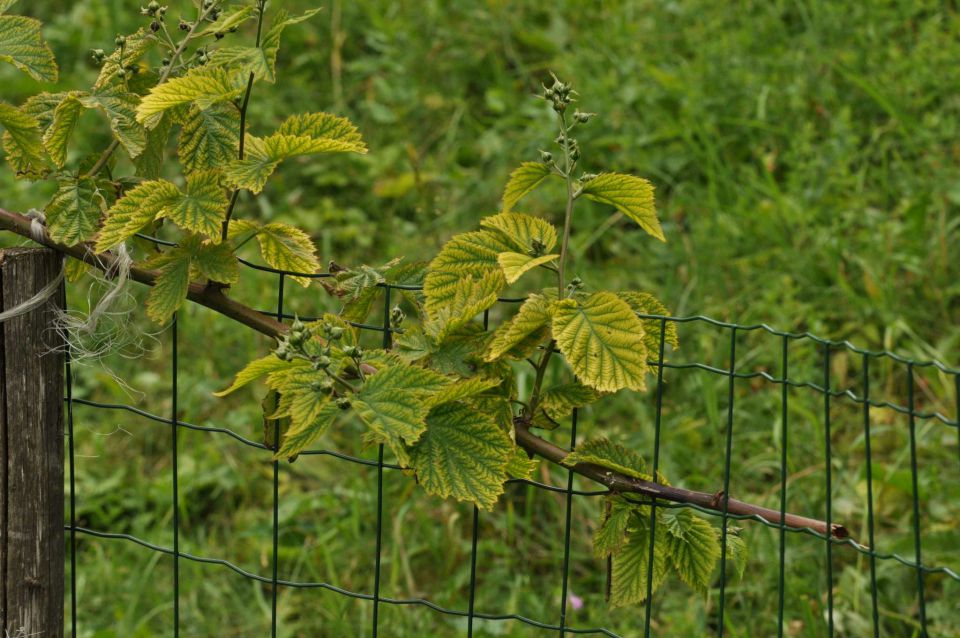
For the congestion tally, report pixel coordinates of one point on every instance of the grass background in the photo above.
(805, 156)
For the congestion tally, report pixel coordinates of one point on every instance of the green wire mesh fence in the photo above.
(784, 370)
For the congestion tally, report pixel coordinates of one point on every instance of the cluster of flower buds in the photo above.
(155, 11)
(582, 118)
(537, 248)
(569, 144)
(214, 12)
(575, 284)
(559, 94)
(98, 55)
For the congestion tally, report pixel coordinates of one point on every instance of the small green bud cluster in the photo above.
(582, 118)
(559, 95)
(98, 55)
(570, 145)
(537, 248)
(575, 284)
(292, 344)
(397, 315)
(155, 11)
(213, 11)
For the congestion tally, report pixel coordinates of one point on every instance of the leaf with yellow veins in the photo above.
(74, 211)
(602, 340)
(610, 455)
(137, 208)
(514, 265)
(170, 289)
(202, 207)
(466, 255)
(523, 179)
(631, 195)
(282, 246)
(202, 86)
(644, 303)
(21, 141)
(209, 137)
(467, 299)
(463, 454)
(628, 585)
(527, 328)
(302, 435)
(22, 46)
(693, 547)
(57, 135)
(259, 368)
(527, 234)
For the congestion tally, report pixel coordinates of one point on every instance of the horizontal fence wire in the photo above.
(560, 625)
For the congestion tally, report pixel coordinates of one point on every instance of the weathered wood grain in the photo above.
(31, 451)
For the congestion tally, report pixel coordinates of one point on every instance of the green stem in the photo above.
(261, 7)
(568, 216)
(541, 372)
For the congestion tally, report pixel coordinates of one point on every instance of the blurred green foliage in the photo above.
(807, 165)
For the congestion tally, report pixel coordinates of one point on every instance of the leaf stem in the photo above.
(568, 215)
(538, 381)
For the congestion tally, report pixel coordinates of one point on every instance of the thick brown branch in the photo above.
(621, 483)
(208, 296)
(213, 298)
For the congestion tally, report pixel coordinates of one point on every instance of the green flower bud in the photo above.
(546, 157)
(154, 26)
(120, 40)
(121, 73)
(343, 403)
(183, 26)
(336, 332)
(322, 362)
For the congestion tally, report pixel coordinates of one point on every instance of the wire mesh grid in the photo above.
(560, 623)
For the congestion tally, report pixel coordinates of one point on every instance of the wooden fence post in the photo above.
(31, 450)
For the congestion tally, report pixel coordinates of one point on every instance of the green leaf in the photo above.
(463, 389)
(256, 369)
(324, 126)
(263, 155)
(520, 465)
(120, 107)
(202, 86)
(462, 454)
(203, 207)
(392, 404)
(560, 400)
(300, 436)
(270, 44)
(530, 235)
(630, 564)
(646, 304)
(611, 536)
(22, 46)
(282, 246)
(231, 20)
(524, 179)
(133, 211)
(150, 162)
(515, 264)
(6, 4)
(519, 336)
(602, 340)
(170, 289)
(21, 141)
(632, 196)
(74, 212)
(300, 399)
(472, 255)
(217, 262)
(209, 137)
(737, 551)
(57, 135)
(467, 299)
(134, 48)
(247, 59)
(693, 547)
(612, 456)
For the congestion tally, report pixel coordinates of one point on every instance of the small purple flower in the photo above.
(575, 601)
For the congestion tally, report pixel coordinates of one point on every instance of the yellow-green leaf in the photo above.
(133, 211)
(516, 264)
(151, 161)
(202, 86)
(523, 179)
(646, 304)
(57, 135)
(230, 20)
(517, 337)
(209, 138)
(300, 436)
(602, 340)
(632, 196)
(256, 369)
(324, 126)
(217, 262)
(282, 246)
(520, 465)
(528, 234)
(463, 389)
(22, 46)
(463, 454)
(467, 298)
(21, 140)
(612, 456)
(471, 254)
(203, 207)
(74, 212)
(120, 108)
(611, 535)
(170, 289)
(134, 48)
(271, 39)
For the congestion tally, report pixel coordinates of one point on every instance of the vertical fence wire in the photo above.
(175, 495)
(827, 453)
(275, 557)
(474, 537)
(648, 613)
(566, 530)
(387, 342)
(73, 484)
(918, 555)
(784, 415)
(868, 451)
(726, 478)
